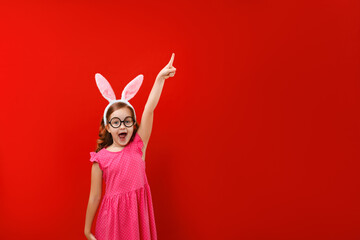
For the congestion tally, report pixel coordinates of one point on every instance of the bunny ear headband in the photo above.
(128, 93)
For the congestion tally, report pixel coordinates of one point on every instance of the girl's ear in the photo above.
(132, 88)
(107, 129)
(104, 87)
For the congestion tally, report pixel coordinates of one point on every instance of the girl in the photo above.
(126, 210)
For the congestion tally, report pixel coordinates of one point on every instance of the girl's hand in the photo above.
(168, 70)
(90, 237)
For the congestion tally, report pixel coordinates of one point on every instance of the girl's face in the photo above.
(120, 139)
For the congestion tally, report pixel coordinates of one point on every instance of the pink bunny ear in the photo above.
(132, 88)
(104, 87)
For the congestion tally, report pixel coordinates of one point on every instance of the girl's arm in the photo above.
(148, 115)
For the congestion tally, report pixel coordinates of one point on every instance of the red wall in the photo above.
(256, 136)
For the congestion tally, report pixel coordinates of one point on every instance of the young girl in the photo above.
(126, 210)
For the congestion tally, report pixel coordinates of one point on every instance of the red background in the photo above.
(256, 136)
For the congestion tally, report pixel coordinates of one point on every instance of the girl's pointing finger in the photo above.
(172, 59)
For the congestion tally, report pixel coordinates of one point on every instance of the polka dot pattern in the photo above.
(126, 210)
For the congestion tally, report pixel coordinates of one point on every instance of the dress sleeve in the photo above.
(94, 158)
(138, 142)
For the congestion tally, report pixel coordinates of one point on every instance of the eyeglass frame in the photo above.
(134, 121)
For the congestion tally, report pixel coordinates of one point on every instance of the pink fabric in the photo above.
(126, 210)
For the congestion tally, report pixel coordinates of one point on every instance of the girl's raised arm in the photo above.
(148, 115)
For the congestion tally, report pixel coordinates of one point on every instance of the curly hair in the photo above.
(105, 139)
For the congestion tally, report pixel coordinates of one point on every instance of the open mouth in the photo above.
(122, 136)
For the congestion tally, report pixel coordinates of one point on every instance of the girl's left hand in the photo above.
(168, 70)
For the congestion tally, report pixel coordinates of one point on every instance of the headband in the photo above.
(128, 93)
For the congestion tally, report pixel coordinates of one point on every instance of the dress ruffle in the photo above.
(133, 205)
(94, 158)
(138, 143)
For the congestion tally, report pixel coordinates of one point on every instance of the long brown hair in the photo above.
(105, 139)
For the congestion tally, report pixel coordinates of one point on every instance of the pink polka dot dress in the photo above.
(126, 210)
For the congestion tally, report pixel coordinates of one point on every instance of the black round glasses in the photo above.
(115, 122)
